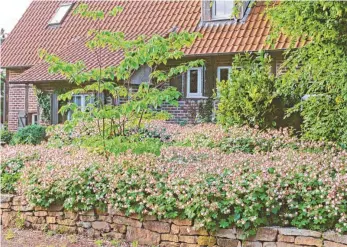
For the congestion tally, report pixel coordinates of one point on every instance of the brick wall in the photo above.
(150, 231)
(17, 98)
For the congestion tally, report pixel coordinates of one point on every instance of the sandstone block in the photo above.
(285, 238)
(333, 244)
(308, 241)
(19, 201)
(35, 219)
(38, 208)
(6, 198)
(207, 240)
(226, 233)
(55, 214)
(50, 220)
(101, 226)
(107, 218)
(144, 236)
(89, 212)
(169, 244)
(119, 228)
(7, 218)
(299, 232)
(188, 245)
(223, 242)
(169, 237)
(188, 239)
(157, 226)
(40, 213)
(266, 234)
(185, 222)
(175, 229)
(269, 244)
(251, 244)
(333, 236)
(113, 235)
(66, 222)
(23, 208)
(283, 244)
(84, 224)
(87, 218)
(188, 230)
(5, 205)
(126, 221)
(70, 215)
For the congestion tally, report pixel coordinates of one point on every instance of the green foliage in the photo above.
(205, 111)
(319, 68)
(5, 135)
(10, 173)
(44, 101)
(247, 97)
(141, 105)
(31, 134)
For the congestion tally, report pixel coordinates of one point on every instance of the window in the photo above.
(34, 119)
(223, 73)
(194, 83)
(60, 13)
(81, 100)
(222, 9)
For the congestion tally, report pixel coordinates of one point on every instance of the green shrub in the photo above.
(247, 98)
(5, 135)
(10, 173)
(31, 134)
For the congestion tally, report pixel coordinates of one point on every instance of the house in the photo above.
(52, 26)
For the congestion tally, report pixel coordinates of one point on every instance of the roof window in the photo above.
(60, 14)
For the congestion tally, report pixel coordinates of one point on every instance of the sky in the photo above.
(10, 12)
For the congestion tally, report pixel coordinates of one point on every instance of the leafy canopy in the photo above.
(319, 68)
(155, 52)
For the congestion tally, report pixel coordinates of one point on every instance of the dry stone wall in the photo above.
(113, 224)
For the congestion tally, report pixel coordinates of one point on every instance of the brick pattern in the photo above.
(17, 95)
(113, 224)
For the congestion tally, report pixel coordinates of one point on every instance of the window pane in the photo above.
(78, 100)
(59, 15)
(224, 74)
(193, 81)
(223, 8)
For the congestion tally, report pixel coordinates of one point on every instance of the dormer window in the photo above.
(60, 14)
(222, 9)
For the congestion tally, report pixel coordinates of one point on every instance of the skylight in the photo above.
(60, 13)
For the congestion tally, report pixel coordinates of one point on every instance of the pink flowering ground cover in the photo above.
(219, 178)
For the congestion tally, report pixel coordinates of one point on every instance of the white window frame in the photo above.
(52, 22)
(33, 118)
(84, 103)
(219, 68)
(224, 17)
(199, 92)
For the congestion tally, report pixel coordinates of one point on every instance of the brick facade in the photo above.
(18, 96)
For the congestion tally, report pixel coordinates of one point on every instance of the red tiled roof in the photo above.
(139, 17)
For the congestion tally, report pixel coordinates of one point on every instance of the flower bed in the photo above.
(202, 174)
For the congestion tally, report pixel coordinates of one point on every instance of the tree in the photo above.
(318, 69)
(155, 51)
